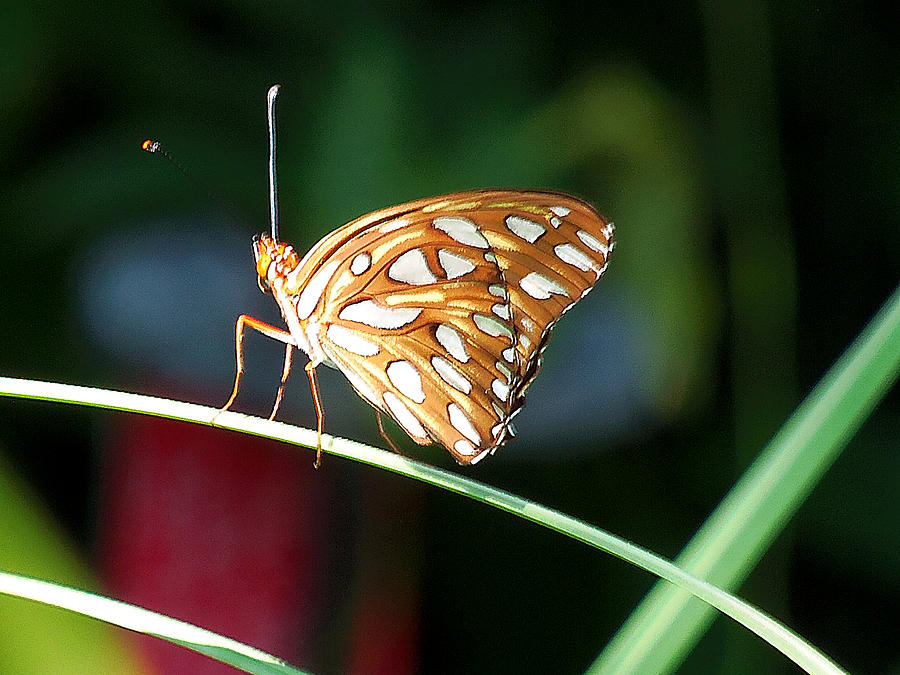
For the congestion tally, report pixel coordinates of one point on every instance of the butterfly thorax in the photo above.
(279, 269)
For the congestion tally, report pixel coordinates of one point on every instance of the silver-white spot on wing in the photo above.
(361, 263)
(561, 211)
(509, 354)
(574, 256)
(404, 416)
(507, 373)
(592, 242)
(309, 296)
(392, 225)
(528, 324)
(351, 341)
(500, 389)
(450, 340)
(454, 264)
(501, 310)
(451, 375)
(540, 287)
(407, 379)
(524, 340)
(497, 289)
(463, 447)
(412, 268)
(462, 230)
(484, 453)
(372, 314)
(491, 326)
(524, 228)
(463, 424)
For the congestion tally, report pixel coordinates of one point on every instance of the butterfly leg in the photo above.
(320, 413)
(288, 358)
(387, 439)
(269, 331)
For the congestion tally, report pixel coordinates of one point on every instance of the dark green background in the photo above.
(748, 154)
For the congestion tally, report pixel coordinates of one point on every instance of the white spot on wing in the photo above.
(528, 324)
(451, 375)
(509, 354)
(484, 453)
(524, 228)
(462, 230)
(491, 326)
(404, 416)
(452, 342)
(309, 296)
(351, 341)
(392, 225)
(524, 341)
(361, 263)
(574, 256)
(463, 424)
(372, 314)
(501, 310)
(412, 268)
(406, 378)
(540, 287)
(502, 367)
(497, 289)
(463, 447)
(500, 389)
(592, 242)
(454, 264)
(561, 211)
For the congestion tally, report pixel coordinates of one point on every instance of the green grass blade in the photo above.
(770, 630)
(144, 621)
(668, 622)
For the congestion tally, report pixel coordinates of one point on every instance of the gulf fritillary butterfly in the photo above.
(437, 311)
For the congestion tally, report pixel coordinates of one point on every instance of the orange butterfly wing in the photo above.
(437, 311)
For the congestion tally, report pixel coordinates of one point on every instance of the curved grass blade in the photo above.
(668, 622)
(793, 646)
(144, 621)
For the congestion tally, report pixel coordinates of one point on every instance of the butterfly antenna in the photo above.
(273, 178)
(156, 148)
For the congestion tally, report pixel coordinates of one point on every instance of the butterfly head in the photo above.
(274, 260)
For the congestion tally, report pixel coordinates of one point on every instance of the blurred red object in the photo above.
(233, 533)
(215, 528)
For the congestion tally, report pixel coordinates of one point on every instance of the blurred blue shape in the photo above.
(596, 386)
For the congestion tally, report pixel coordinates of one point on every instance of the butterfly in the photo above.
(437, 311)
